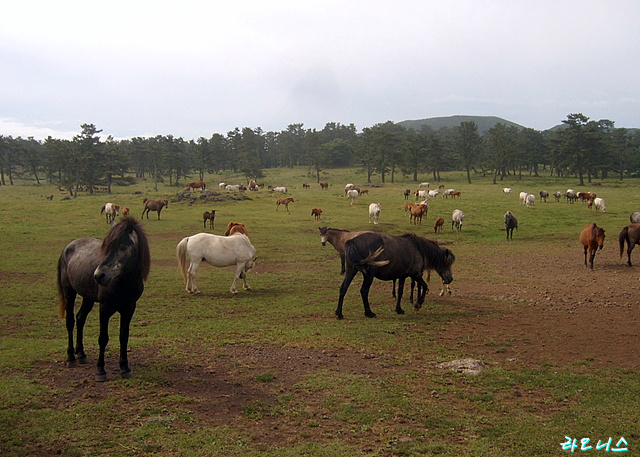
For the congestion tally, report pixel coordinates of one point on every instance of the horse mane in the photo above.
(123, 229)
(434, 256)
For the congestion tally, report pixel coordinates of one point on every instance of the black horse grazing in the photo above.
(111, 272)
(389, 257)
(510, 223)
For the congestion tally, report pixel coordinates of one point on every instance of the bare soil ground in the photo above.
(546, 308)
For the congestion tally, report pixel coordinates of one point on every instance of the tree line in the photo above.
(580, 147)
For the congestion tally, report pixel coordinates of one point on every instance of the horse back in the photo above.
(76, 265)
(219, 250)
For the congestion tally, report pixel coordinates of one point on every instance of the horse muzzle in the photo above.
(324, 243)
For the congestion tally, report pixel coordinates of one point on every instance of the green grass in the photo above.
(508, 410)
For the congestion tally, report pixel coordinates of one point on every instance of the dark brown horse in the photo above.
(388, 257)
(592, 239)
(631, 235)
(316, 212)
(111, 272)
(208, 216)
(154, 205)
(337, 238)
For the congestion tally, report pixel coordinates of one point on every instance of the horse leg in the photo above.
(81, 319)
(423, 288)
(629, 249)
(585, 255)
(393, 289)
(105, 314)
(592, 256)
(192, 288)
(364, 293)
(70, 320)
(245, 284)
(342, 263)
(239, 270)
(348, 277)
(126, 315)
(399, 309)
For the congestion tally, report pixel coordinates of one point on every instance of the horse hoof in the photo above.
(126, 374)
(72, 363)
(400, 311)
(82, 360)
(371, 315)
(101, 377)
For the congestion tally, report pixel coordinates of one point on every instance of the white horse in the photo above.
(374, 212)
(219, 251)
(600, 205)
(222, 185)
(523, 198)
(421, 194)
(349, 187)
(282, 189)
(352, 194)
(457, 218)
(531, 199)
(507, 190)
(111, 210)
(424, 184)
(232, 187)
(433, 193)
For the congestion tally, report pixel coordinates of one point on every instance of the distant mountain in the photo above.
(484, 123)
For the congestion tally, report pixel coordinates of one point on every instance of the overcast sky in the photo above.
(194, 68)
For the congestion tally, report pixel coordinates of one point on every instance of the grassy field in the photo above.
(271, 371)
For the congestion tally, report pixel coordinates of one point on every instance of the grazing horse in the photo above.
(125, 211)
(353, 194)
(631, 235)
(600, 204)
(457, 218)
(543, 195)
(337, 238)
(406, 193)
(208, 216)
(388, 257)
(557, 196)
(324, 185)
(197, 185)
(110, 210)
(236, 227)
(437, 227)
(417, 212)
(592, 238)
(316, 212)
(530, 201)
(507, 190)
(111, 272)
(219, 251)
(154, 205)
(285, 202)
(510, 223)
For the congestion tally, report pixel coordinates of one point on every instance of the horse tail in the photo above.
(102, 210)
(181, 254)
(624, 236)
(359, 262)
(61, 295)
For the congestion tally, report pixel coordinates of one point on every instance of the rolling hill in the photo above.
(484, 122)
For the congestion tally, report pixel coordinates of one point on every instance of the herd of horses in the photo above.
(113, 271)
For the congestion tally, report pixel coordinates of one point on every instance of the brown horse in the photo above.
(324, 185)
(592, 238)
(417, 211)
(630, 234)
(236, 227)
(337, 238)
(316, 212)
(208, 216)
(153, 205)
(197, 185)
(285, 202)
(438, 225)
